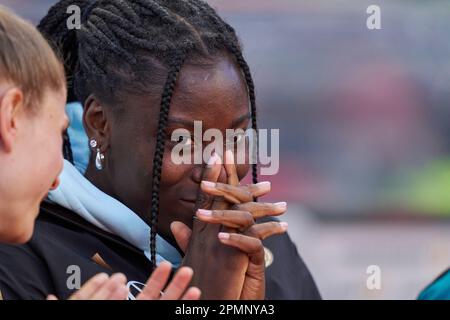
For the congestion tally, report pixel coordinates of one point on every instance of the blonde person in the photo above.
(32, 122)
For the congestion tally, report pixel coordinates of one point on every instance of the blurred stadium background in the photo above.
(364, 123)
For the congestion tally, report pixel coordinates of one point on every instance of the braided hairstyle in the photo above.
(137, 45)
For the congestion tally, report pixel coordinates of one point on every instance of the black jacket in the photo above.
(63, 242)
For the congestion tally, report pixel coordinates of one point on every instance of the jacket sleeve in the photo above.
(22, 274)
(287, 276)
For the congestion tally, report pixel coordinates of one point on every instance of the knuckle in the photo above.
(252, 231)
(222, 186)
(248, 194)
(259, 244)
(204, 200)
(218, 213)
(274, 225)
(248, 218)
(228, 188)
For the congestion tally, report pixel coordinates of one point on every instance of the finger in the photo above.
(267, 229)
(182, 233)
(230, 168)
(51, 297)
(259, 189)
(106, 291)
(193, 293)
(178, 284)
(229, 218)
(90, 287)
(236, 194)
(221, 203)
(262, 209)
(121, 293)
(250, 245)
(156, 282)
(242, 242)
(211, 173)
(233, 194)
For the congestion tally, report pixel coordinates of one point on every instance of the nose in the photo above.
(55, 184)
(196, 173)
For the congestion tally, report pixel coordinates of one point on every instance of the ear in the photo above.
(11, 102)
(96, 122)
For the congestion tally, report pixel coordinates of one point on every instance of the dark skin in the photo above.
(216, 95)
(244, 274)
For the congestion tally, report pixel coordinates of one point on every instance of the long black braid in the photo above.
(160, 142)
(126, 46)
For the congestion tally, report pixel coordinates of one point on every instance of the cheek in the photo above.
(131, 165)
(47, 151)
(173, 173)
(57, 159)
(53, 162)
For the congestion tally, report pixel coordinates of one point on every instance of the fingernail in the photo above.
(120, 277)
(103, 276)
(263, 184)
(205, 213)
(188, 270)
(166, 263)
(284, 225)
(281, 204)
(224, 235)
(208, 184)
(213, 159)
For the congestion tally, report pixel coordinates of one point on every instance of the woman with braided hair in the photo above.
(140, 70)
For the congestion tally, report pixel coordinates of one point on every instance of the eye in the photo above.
(237, 138)
(184, 140)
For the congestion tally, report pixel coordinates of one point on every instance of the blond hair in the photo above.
(26, 59)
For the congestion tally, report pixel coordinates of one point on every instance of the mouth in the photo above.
(189, 204)
(192, 201)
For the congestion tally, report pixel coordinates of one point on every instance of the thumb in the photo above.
(51, 297)
(182, 234)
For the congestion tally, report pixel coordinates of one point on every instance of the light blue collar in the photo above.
(78, 194)
(78, 139)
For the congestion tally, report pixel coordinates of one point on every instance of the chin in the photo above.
(25, 230)
(19, 237)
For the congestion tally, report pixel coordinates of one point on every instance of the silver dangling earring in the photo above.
(99, 157)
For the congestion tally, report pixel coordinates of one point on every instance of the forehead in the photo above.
(215, 94)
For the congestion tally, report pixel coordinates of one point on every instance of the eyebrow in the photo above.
(190, 123)
(240, 119)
